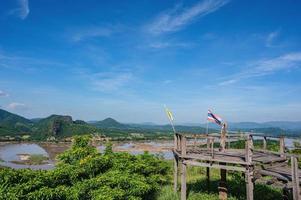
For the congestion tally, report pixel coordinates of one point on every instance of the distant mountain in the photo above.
(286, 125)
(109, 123)
(291, 125)
(13, 124)
(61, 126)
(35, 120)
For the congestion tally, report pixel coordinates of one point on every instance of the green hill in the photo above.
(12, 124)
(61, 126)
(109, 123)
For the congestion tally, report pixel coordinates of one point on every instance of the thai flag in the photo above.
(214, 118)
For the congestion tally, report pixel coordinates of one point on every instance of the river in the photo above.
(12, 154)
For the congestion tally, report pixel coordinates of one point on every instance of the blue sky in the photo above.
(125, 59)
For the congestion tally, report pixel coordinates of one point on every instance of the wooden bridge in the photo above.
(254, 163)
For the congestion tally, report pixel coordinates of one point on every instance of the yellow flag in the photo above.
(169, 114)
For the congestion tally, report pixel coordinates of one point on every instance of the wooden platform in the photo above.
(253, 162)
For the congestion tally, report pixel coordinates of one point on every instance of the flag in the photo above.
(214, 118)
(169, 114)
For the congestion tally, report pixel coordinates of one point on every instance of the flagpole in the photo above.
(172, 125)
(207, 128)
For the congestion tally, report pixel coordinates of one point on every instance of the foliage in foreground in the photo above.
(197, 187)
(83, 173)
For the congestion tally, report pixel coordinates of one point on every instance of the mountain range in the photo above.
(61, 126)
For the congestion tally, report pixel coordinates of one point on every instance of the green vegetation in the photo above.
(198, 188)
(83, 173)
(33, 159)
(60, 127)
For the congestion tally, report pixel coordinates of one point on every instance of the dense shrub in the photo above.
(84, 173)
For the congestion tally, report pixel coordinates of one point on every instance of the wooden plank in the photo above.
(206, 158)
(216, 166)
(183, 181)
(274, 174)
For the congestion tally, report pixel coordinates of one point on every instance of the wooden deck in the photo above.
(255, 163)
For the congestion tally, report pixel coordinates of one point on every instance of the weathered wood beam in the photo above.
(216, 166)
(222, 187)
(223, 137)
(281, 147)
(183, 181)
(249, 183)
(183, 146)
(176, 164)
(264, 143)
(295, 178)
(249, 169)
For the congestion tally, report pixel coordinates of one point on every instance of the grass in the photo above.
(34, 159)
(197, 187)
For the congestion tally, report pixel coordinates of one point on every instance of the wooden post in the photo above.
(208, 168)
(249, 183)
(229, 143)
(281, 146)
(208, 143)
(249, 169)
(183, 145)
(222, 188)
(295, 178)
(183, 181)
(223, 191)
(180, 142)
(194, 143)
(264, 143)
(208, 177)
(175, 141)
(176, 164)
(223, 137)
(212, 147)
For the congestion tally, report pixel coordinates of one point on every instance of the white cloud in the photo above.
(176, 19)
(271, 38)
(3, 94)
(162, 45)
(92, 32)
(26, 64)
(267, 66)
(22, 10)
(107, 81)
(16, 106)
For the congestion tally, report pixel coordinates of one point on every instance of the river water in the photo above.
(10, 152)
